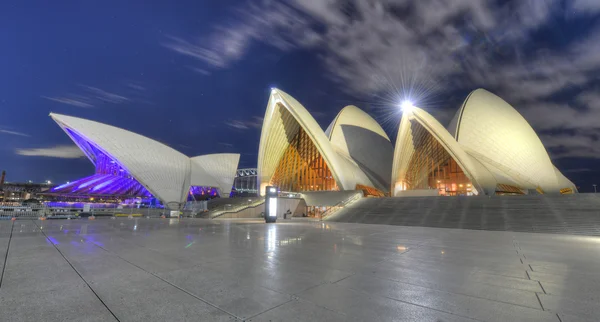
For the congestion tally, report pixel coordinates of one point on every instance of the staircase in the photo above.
(233, 206)
(577, 214)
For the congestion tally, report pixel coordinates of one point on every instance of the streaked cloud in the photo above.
(105, 96)
(13, 132)
(92, 96)
(78, 102)
(61, 151)
(199, 70)
(578, 170)
(380, 48)
(136, 86)
(254, 123)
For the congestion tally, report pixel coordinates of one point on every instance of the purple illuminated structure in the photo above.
(113, 180)
(202, 193)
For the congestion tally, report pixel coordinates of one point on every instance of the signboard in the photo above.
(271, 204)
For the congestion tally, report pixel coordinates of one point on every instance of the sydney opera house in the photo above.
(129, 165)
(487, 149)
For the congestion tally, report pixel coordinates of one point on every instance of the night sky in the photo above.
(196, 75)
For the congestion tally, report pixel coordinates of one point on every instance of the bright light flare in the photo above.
(407, 106)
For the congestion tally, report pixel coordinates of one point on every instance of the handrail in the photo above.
(214, 214)
(340, 205)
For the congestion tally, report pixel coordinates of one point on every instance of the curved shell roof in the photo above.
(492, 131)
(165, 172)
(283, 118)
(356, 135)
(404, 148)
(218, 169)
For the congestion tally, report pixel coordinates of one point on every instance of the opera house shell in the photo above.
(129, 164)
(488, 148)
(296, 155)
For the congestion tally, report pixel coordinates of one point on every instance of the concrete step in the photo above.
(577, 214)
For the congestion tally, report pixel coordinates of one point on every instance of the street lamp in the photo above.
(594, 188)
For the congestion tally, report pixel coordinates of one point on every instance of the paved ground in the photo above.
(201, 270)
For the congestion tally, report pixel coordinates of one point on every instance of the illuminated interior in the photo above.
(566, 191)
(432, 167)
(112, 181)
(302, 168)
(506, 189)
(370, 191)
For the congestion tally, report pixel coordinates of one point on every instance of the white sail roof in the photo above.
(492, 131)
(283, 118)
(165, 172)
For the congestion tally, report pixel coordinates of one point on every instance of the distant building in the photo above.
(245, 182)
(130, 165)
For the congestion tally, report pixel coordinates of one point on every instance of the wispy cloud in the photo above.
(254, 123)
(578, 170)
(104, 95)
(378, 47)
(13, 132)
(61, 151)
(318, 114)
(136, 86)
(78, 102)
(197, 51)
(90, 97)
(228, 145)
(185, 146)
(199, 70)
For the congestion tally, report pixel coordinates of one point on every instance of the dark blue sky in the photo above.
(196, 75)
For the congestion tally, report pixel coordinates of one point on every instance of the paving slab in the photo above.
(466, 306)
(197, 269)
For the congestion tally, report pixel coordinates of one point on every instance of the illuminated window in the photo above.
(370, 191)
(302, 168)
(432, 167)
(566, 191)
(506, 189)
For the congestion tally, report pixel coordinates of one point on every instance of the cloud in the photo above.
(136, 86)
(92, 96)
(580, 144)
(105, 96)
(199, 70)
(429, 48)
(318, 114)
(13, 133)
(579, 170)
(227, 145)
(61, 151)
(254, 123)
(78, 102)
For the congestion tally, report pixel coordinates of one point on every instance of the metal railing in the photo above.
(32, 211)
(342, 204)
(217, 212)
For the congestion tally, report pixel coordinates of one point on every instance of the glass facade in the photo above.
(302, 168)
(431, 167)
(245, 182)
